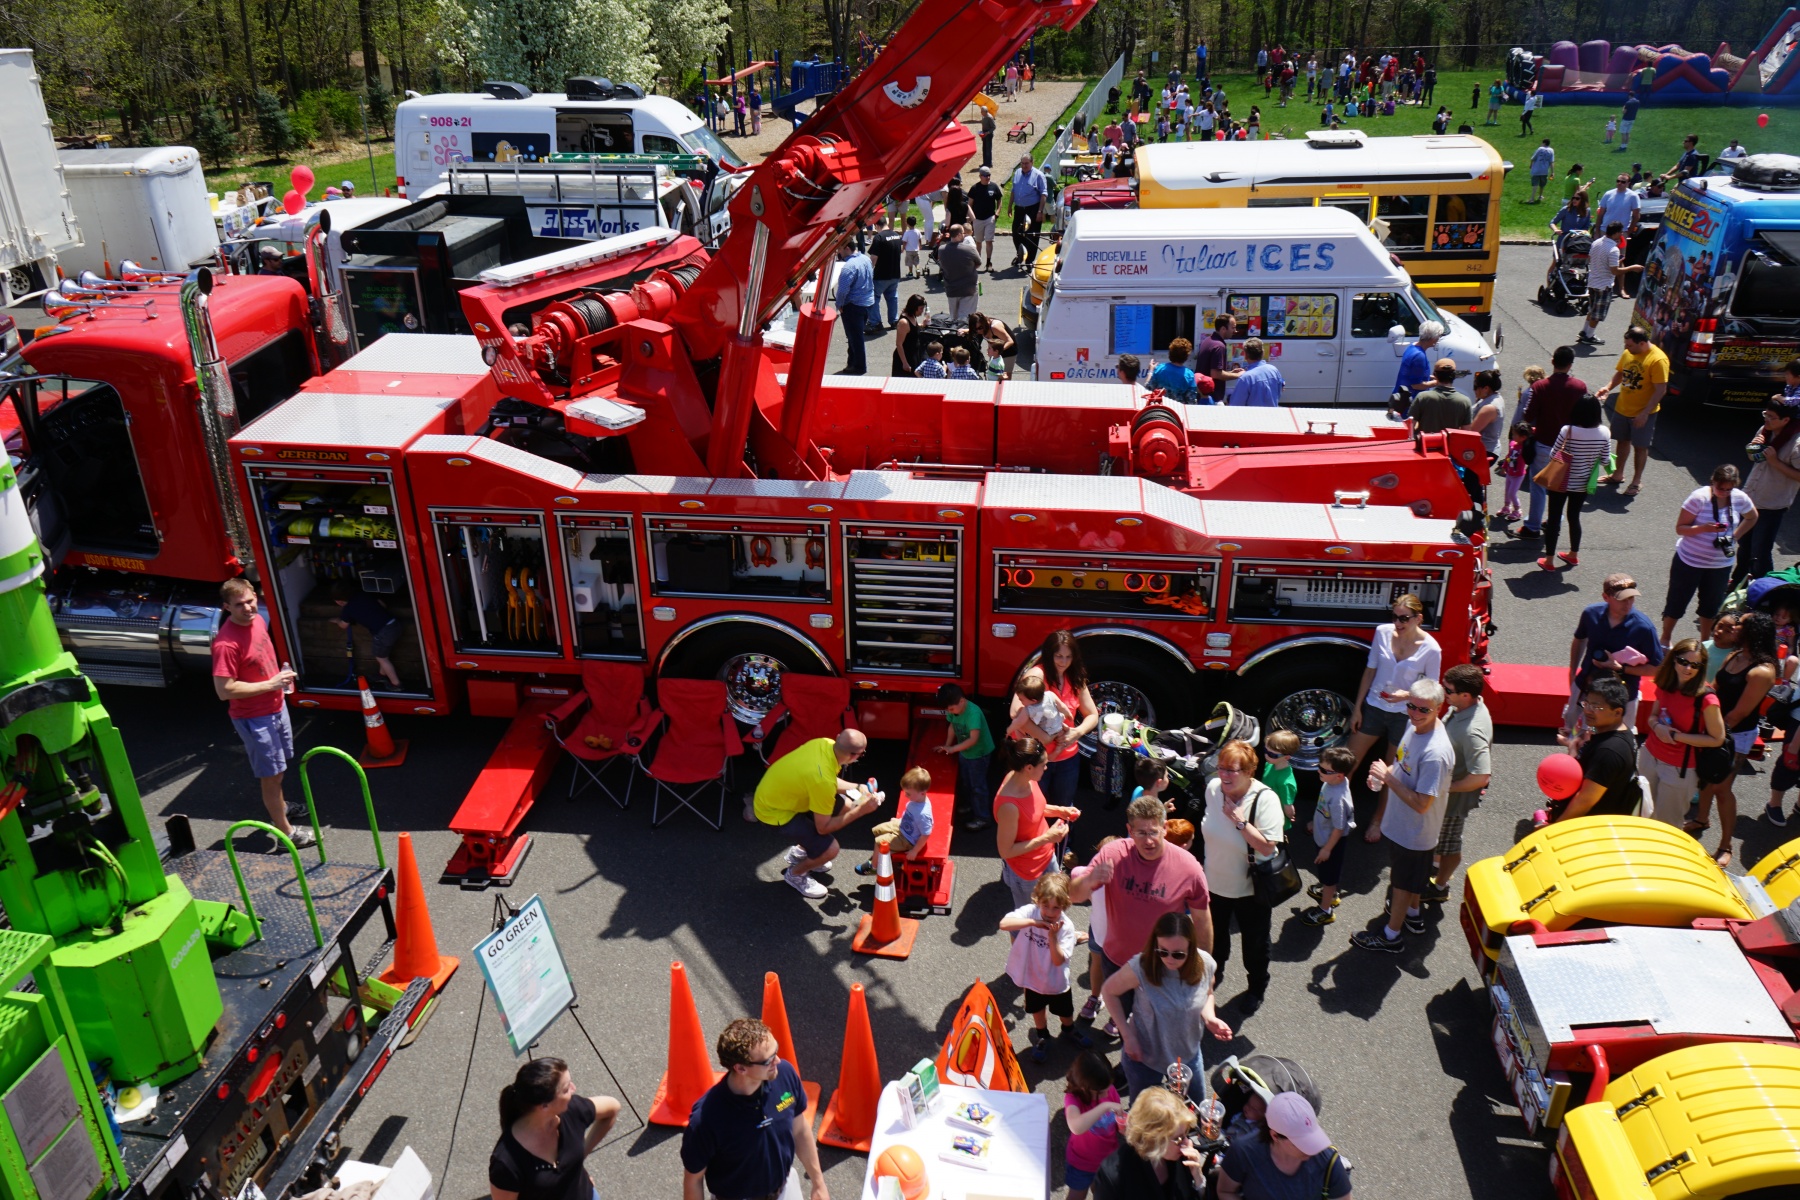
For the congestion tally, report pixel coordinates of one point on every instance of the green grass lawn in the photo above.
(330, 170)
(1575, 132)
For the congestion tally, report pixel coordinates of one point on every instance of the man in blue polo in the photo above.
(855, 302)
(1030, 194)
(1261, 383)
(1415, 368)
(744, 1134)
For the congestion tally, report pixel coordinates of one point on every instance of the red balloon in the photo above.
(302, 179)
(292, 203)
(1559, 776)
(1762, 120)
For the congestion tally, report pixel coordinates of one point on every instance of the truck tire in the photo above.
(749, 658)
(1308, 692)
(1139, 683)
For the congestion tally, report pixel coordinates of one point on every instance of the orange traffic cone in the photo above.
(850, 1120)
(415, 945)
(885, 932)
(381, 750)
(690, 1070)
(774, 1015)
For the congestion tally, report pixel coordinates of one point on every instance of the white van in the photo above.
(509, 123)
(1313, 283)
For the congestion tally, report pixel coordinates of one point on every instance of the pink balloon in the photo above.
(302, 179)
(1559, 776)
(1762, 120)
(292, 203)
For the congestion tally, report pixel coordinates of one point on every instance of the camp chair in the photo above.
(812, 706)
(609, 719)
(698, 741)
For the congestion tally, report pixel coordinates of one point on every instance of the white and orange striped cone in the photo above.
(885, 932)
(381, 750)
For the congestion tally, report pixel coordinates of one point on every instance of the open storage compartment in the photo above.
(904, 585)
(497, 582)
(603, 587)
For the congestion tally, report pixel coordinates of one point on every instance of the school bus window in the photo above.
(1286, 315)
(1358, 206)
(1408, 220)
(1280, 202)
(1372, 314)
(1461, 222)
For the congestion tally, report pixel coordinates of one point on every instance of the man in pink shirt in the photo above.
(1144, 877)
(254, 688)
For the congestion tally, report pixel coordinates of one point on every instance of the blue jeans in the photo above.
(888, 289)
(974, 774)
(855, 318)
(1138, 1077)
(1540, 500)
(1060, 780)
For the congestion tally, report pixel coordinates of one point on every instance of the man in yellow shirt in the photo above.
(800, 794)
(1640, 382)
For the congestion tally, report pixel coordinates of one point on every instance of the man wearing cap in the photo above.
(745, 1134)
(1612, 637)
(348, 189)
(1297, 1158)
(984, 207)
(269, 260)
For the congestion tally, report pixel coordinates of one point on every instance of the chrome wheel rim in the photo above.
(1319, 717)
(1111, 696)
(752, 686)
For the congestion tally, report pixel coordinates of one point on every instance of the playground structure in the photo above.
(1598, 72)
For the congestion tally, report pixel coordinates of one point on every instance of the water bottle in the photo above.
(289, 689)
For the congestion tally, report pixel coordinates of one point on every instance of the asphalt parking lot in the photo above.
(1399, 1046)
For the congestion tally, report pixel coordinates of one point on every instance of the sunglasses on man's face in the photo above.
(1421, 708)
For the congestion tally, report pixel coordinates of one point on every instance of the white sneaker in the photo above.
(806, 885)
(303, 836)
(796, 853)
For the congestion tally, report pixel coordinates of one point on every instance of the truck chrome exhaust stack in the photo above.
(218, 407)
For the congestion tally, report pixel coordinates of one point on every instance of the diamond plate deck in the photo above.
(1679, 981)
(1248, 519)
(902, 487)
(421, 354)
(526, 463)
(1388, 523)
(778, 489)
(1177, 508)
(346, 419)
(1087, 493)
(339, 890)
(1070, 395)
(950, 389)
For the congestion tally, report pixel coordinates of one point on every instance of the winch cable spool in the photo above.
(1158, 440)
(559, 326)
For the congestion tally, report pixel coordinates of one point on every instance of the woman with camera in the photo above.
(1712, 522)
(1773, 481)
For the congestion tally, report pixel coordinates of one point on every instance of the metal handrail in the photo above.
(312, 914)
(368, 801)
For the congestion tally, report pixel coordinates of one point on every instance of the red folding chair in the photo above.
(609, 719)
(695, 750)
(813, 706)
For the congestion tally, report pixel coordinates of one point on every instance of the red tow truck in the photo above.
(624, 463)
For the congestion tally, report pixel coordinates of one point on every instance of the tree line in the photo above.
(270, 76)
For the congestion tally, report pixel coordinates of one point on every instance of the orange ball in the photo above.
(904, 1164)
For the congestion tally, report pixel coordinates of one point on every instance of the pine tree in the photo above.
(272, 124)
(213, 136)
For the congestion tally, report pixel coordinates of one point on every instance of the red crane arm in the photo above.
(891, 132)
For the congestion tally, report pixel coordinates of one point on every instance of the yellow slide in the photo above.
(988, 102)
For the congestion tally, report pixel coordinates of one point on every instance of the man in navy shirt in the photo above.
(1605, 629)
(1415, 368)
(855, 303)
(357, 607)
(744, 1133)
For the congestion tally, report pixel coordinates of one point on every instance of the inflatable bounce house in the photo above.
(1598, 72)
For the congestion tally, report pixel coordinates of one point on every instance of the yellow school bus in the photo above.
(1434, 201)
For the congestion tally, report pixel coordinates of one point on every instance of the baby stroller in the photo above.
(1565, 285)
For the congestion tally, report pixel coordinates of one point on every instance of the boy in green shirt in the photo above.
(1278, 772)
(972, 742)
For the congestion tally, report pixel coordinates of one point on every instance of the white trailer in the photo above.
(37, 221)
(148, 205)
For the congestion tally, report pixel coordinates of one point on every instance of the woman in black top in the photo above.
(546, 1132)
(956, 205)
(911, 317)
(1742, 684)
(1156, 1158)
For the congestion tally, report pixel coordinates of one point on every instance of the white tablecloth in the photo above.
(1021, 1149)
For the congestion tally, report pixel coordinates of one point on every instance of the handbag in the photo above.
(1556, 472)
(1712, 764)
(1273, 879)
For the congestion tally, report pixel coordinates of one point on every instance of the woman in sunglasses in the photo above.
(1156, 1158)
(1685, 718)
(1401, 654)
(1170, 985)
